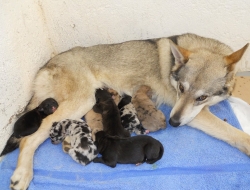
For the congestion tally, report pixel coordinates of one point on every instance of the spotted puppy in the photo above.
(151, 118)
(29, 123)
(111, 119)
(129, 117)
(132, 150)
(82, 148)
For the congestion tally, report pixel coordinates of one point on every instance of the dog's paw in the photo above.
(21, 178)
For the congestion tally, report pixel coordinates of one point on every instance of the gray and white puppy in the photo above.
(82, 148)
(129, 117)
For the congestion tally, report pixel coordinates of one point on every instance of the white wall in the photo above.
(33, 30)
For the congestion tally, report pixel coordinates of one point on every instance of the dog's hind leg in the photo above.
(66, 144)
(69, 109)
(212, 125)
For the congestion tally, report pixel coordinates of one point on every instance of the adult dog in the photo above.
(188, 72)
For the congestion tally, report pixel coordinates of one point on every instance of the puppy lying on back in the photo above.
(151, 118)
(132, 150)
(111, 119)
(129, 117)
(80, 145)
(94, 119)
(29, 123)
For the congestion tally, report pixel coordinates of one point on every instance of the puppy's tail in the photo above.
(11, 145)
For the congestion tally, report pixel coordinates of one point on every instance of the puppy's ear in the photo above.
(97, 108)
(40, 108)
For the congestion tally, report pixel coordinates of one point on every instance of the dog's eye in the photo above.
(201, 98)
(181, 88)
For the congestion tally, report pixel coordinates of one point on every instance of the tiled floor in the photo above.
(242, 87)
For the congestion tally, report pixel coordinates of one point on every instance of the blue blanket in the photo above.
(191, 160)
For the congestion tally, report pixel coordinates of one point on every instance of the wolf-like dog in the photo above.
(187, 72)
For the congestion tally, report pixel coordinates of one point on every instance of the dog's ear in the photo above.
(180, 54)
(233, 58)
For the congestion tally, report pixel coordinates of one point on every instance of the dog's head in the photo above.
(201, 77)
(48, 106)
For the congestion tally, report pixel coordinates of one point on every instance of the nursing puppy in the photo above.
(29, 123)
(132, 150)
(151, 118)
(94, 119)
(111, 119)
(129, 117)
(82, 148)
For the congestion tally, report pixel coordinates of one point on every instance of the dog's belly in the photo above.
(123, 67)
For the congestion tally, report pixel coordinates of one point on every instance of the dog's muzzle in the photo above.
(174, 122)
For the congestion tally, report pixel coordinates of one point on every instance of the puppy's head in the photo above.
(126, 99)
(103, 98)
(145, 90)
(48, 106)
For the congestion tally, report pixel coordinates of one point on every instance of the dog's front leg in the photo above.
(212, 125)
(24, 172)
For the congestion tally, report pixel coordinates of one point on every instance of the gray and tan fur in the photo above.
(73, 76)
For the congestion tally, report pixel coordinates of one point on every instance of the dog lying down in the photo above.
(29, 123)
(129, 117)
(151, 118)
(82, 148)
(131, 150)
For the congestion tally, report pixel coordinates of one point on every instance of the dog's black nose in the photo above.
(174, 123)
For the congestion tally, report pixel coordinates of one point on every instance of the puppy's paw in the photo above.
(21, 178)
(138, 164)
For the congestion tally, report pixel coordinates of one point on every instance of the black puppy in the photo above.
(111, 119)
(132, 150)
(129, 117)
(29, 123)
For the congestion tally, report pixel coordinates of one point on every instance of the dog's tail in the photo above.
(11, 145)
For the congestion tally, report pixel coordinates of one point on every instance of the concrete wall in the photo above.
(34, 30)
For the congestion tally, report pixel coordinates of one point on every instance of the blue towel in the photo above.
(191, 160)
